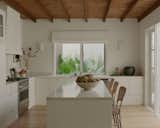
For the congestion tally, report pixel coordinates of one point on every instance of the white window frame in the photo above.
(81, 55)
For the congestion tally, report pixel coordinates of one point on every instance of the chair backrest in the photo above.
(121, 94)
(110, 86)
(114, 88)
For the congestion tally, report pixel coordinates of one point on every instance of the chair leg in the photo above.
(114, 119)
(119, 121)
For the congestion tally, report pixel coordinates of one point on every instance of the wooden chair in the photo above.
(116, 111)
(110, 85)
(114, 90)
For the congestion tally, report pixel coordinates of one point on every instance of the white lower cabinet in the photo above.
(31, 92)
(8, 104)
(41, 87)
(134, 86)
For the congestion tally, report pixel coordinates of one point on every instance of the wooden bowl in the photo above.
(87, 85)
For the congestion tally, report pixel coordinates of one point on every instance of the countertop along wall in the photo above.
(121, 38)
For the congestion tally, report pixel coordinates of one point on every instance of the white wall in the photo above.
(114, 32)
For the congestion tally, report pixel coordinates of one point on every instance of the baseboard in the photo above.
(156, 114)
(149, 108)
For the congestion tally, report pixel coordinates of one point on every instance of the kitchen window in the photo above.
(77, 58)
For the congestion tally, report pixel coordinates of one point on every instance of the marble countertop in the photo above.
(49, 75)
(72, 90)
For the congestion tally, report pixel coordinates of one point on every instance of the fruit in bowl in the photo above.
(87, 82)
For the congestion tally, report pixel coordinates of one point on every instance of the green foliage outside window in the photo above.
(93, 66)
(70, 65)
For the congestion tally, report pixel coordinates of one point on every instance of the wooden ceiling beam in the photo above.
(17, 6)
(46, 11)
(129, 9)
(65, 10)
(85, 6)
(107, 10)
(149, 10)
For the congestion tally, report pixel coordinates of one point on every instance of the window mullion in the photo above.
(81, 58)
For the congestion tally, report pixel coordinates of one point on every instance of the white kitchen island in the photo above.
(71, 107)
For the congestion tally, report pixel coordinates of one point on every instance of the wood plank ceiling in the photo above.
(84, 9)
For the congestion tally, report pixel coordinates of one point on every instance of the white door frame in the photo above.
(157, 68)
(157, 90)
(147, 66)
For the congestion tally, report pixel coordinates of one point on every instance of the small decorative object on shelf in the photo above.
(87, 82)
(117, 72)
(129, 71)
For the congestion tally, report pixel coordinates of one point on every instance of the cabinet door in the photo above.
(2, 26)
(134, 93)
(13, 32)
(42, 91)
(31, 92)
(2, 64)
(4, 106)
(11, 103)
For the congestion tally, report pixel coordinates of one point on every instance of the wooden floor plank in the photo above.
(132, 117)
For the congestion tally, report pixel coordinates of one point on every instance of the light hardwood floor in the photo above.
(132, 117)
